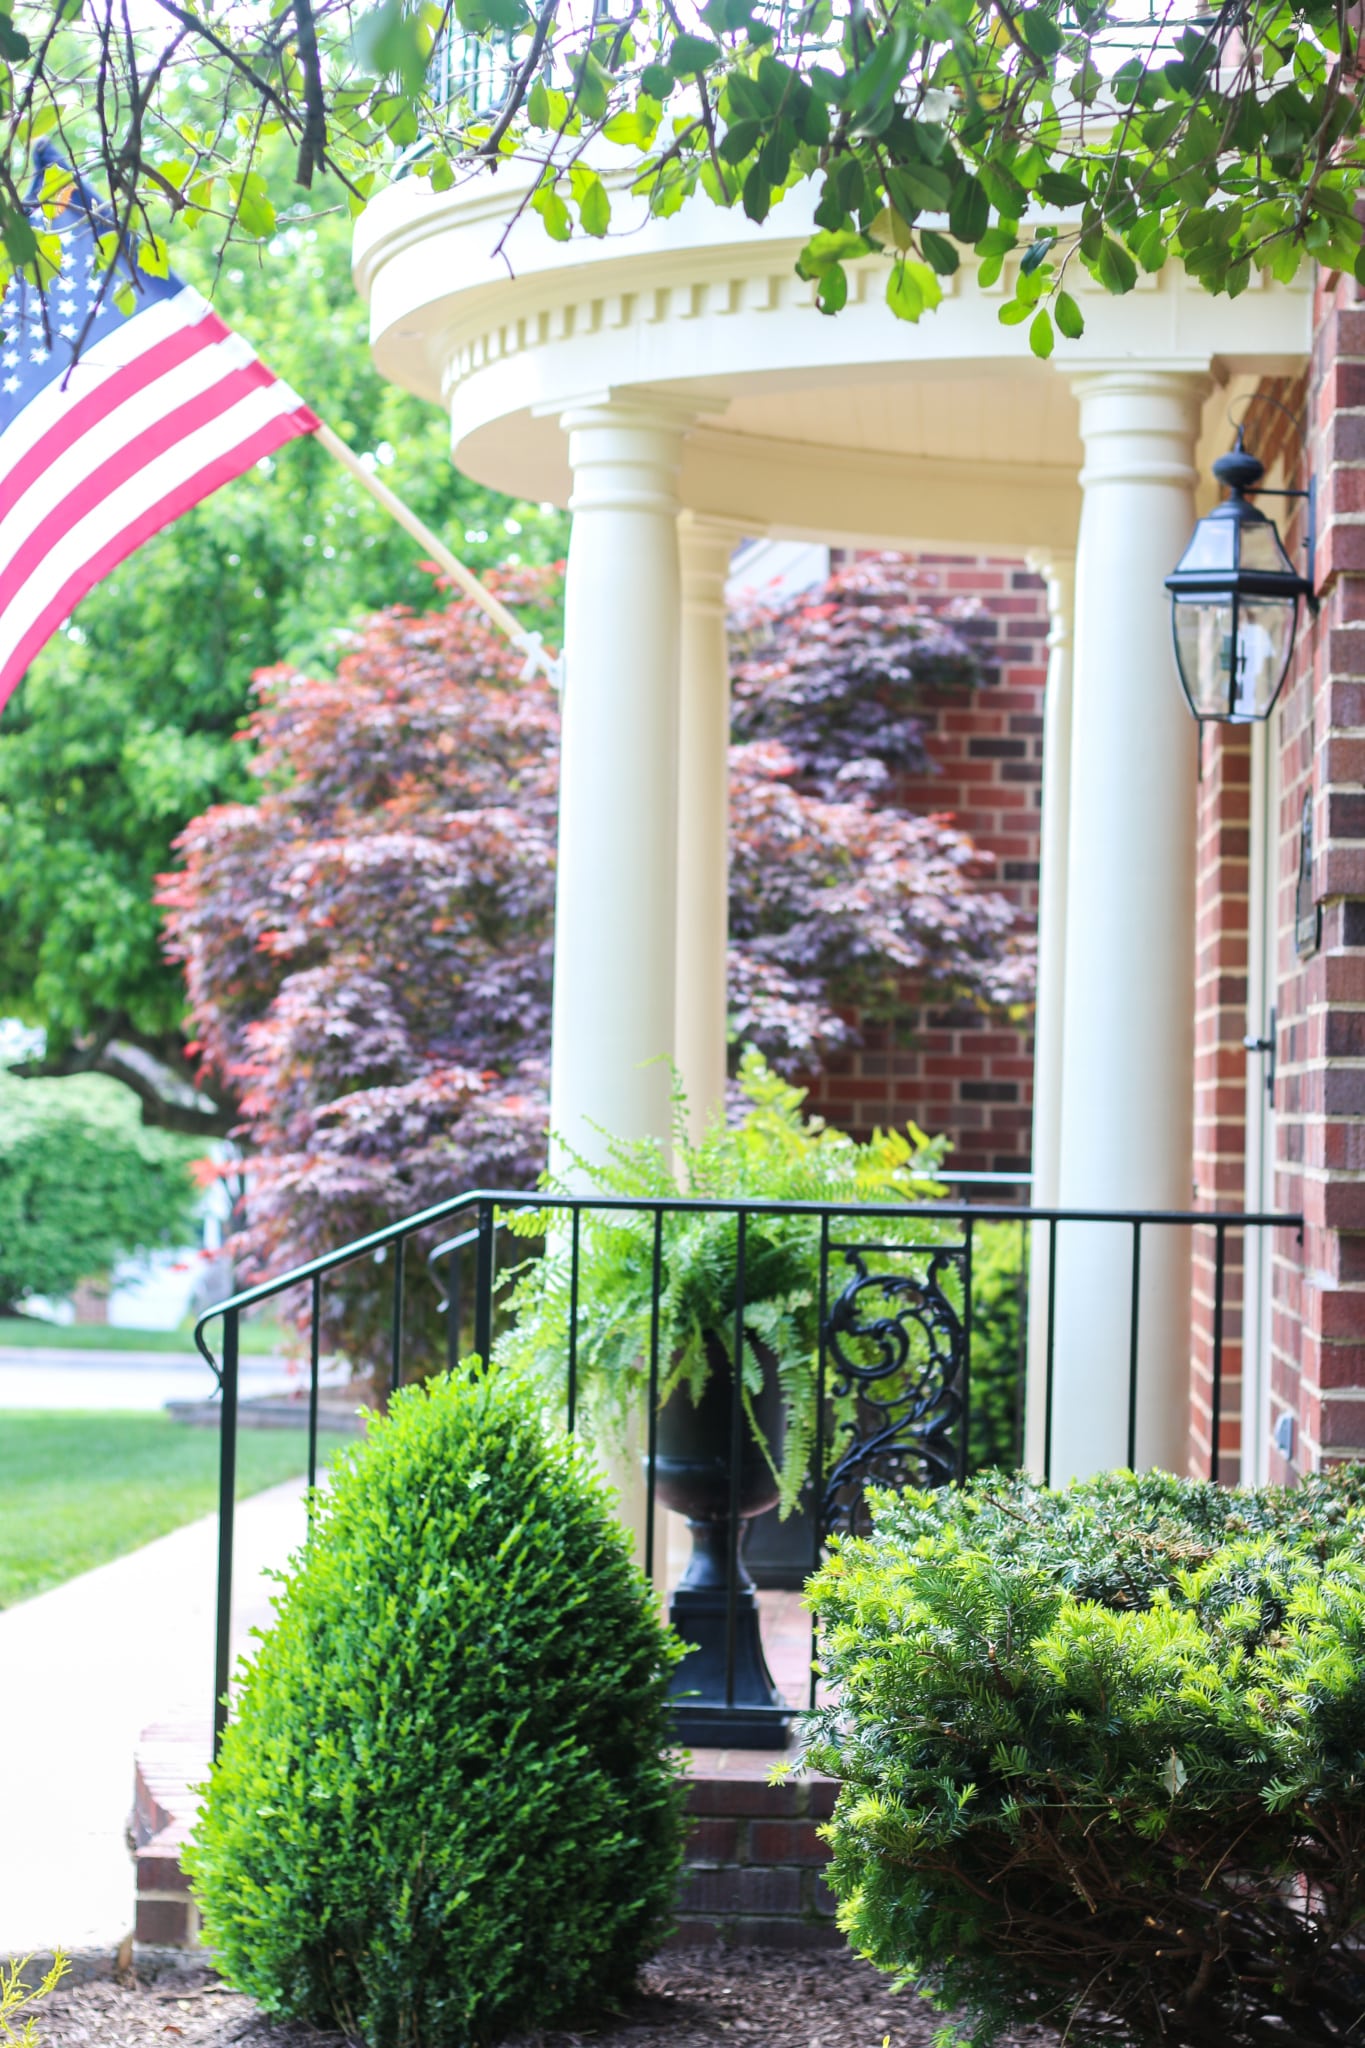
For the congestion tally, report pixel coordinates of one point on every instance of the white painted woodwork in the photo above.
(703, 816)
(1048, 1066)
(616, 892)
(1128, 1025)
(861, 430)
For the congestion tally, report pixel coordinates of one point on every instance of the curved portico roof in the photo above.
(857, 428)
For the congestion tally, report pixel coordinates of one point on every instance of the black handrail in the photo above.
(833, 1367)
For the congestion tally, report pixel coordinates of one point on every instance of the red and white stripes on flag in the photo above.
(102, 448)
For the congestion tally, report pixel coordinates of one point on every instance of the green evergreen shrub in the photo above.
(18, 1998)
(446, 1806)
(1102, 1754)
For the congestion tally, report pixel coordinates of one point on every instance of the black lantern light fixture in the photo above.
(1235, 599)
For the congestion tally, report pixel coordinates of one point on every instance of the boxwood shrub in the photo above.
(1102, 1754)
(446, 1805)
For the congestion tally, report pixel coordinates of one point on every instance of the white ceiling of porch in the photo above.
(1025, 419)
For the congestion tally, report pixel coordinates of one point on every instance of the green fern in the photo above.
(773, 1153)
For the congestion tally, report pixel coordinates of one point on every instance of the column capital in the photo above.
(1140, 424)
(1142, 379)
(704, 528)
(1054, 565)
(1057, 566)
(705, 546)
(625, 450)
(658, 414)
(676, 409)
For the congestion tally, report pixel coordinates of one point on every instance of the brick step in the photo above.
(752, 1868)
(754, 1861)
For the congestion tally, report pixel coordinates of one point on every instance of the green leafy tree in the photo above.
(1063, 135)
(1060, 129)
(81, 1182)
(127, 726)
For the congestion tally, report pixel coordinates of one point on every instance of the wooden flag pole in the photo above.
(465, 579)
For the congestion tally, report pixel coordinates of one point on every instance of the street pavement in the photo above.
(129, 1379)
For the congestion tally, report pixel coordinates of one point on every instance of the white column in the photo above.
(615, 912)
(705, 548)
(1128, 1024)
(612, 1031)
(1060, 572)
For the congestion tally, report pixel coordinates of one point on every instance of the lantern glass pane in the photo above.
(1238, 683)
(1262, 549)
(1203, 630)
(1265, 636)
(1212, 546)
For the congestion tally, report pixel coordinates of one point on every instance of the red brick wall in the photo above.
(1318, 1336)
(1220, 1066)
(1317, 1372)
(960, 1071)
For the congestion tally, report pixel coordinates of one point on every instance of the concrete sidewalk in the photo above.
(83, 1670)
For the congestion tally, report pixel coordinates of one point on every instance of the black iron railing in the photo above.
(893, 1366)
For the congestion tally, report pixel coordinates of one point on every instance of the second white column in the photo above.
(1128, 1029)
(703, 816)
(615, 917)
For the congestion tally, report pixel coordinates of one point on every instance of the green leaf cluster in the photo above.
(1102, 1755)
(774, 1154)
(1231, 141)
(82, 1182)
(446, 1807)
(1054, 138)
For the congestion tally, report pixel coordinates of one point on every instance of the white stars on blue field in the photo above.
(80, 311)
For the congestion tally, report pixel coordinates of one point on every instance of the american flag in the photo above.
(111, 425)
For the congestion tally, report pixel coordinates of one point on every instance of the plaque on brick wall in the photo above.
(1307, 913)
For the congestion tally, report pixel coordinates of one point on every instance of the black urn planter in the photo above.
(692, 1476)
(781, 1554)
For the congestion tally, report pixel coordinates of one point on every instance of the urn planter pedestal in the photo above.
(692, 1469)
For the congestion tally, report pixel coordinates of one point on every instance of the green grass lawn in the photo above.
(258, 1338)
(77, 1489)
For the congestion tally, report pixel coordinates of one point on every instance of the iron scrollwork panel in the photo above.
(898, 1348)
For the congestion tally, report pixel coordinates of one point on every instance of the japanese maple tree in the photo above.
(368, 946)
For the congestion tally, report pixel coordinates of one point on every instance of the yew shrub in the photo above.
(1102, 1756)
(448, 1806)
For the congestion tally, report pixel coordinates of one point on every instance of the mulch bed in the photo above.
(688, 2000)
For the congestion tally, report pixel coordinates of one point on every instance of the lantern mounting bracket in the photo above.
(1310, 535)
(1241, 472)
